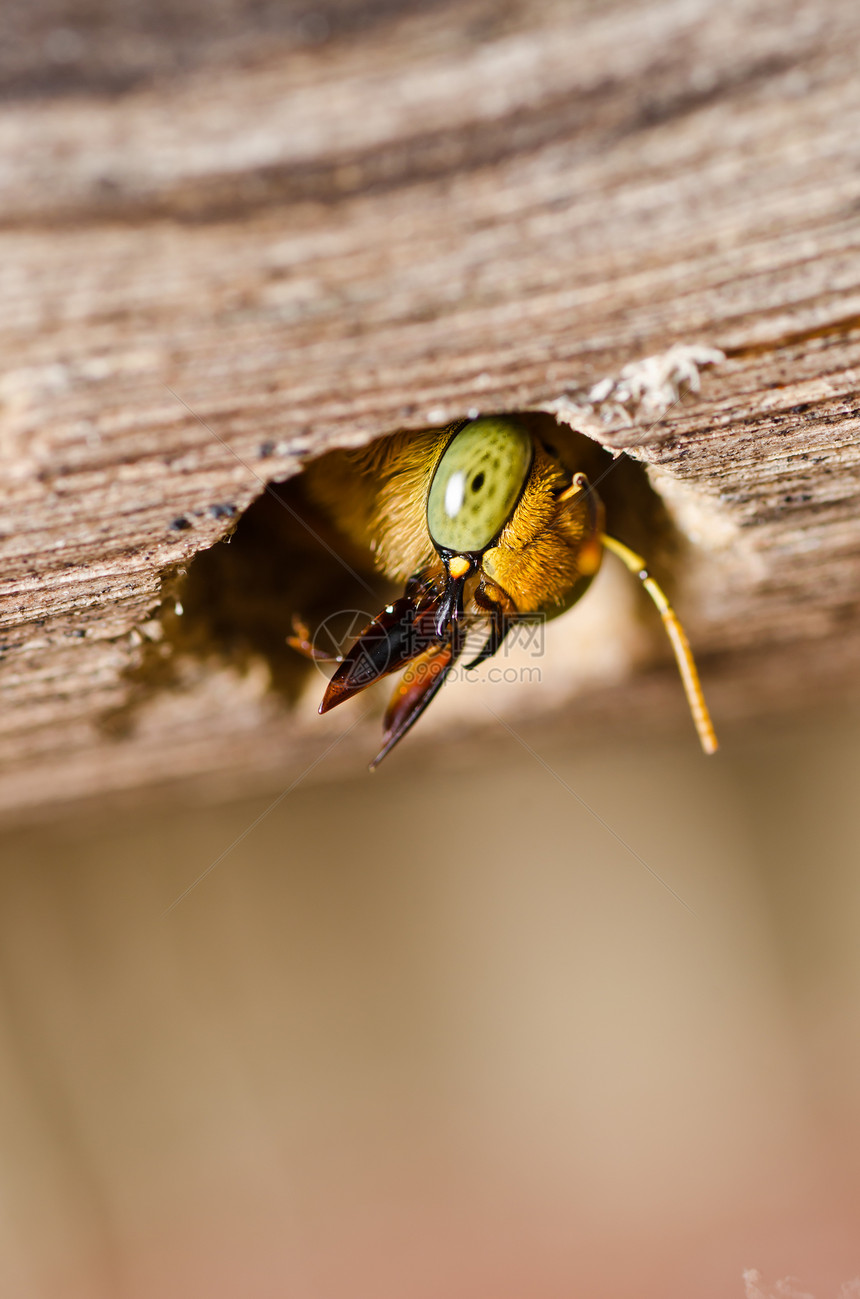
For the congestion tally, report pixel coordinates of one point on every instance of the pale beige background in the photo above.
(439, 1033)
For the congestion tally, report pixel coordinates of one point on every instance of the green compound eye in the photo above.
(477, 483)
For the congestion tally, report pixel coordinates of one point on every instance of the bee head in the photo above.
(502, 503)
(477, 484)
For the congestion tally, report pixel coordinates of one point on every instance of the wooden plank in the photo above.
(231, 267)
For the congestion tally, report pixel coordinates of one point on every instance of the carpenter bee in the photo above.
(482, 522)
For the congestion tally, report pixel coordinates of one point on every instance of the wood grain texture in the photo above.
(221, 254)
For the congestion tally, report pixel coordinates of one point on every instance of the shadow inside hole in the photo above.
(287, 558)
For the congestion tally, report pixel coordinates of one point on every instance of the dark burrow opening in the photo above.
(286, 558)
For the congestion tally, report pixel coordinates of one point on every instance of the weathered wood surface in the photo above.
(363, 219)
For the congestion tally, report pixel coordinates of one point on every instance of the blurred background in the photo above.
(550, 1005)
(554, 1023)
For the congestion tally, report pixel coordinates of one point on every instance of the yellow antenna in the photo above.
(680, 644)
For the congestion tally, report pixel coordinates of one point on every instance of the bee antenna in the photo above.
(681, 646)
